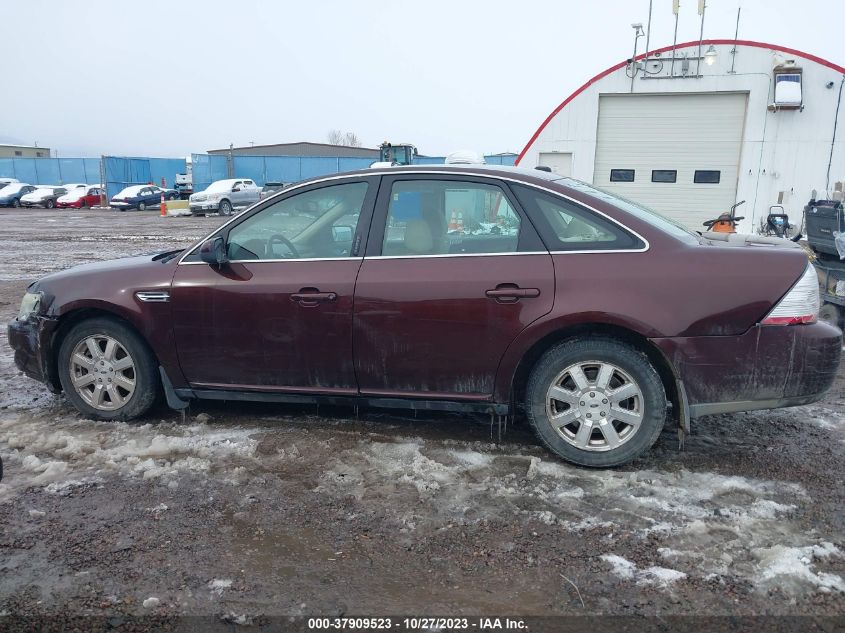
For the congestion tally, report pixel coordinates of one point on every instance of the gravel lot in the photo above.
(245, 510)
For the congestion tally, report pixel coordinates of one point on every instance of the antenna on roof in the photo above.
(736, 36)
(702, 6)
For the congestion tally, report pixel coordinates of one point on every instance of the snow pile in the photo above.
(68, 453)
(627, 570)
(780, 564)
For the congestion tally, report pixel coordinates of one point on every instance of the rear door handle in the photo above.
(510, 293)
(309, 297)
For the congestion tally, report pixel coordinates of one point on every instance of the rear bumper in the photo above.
(30, 341)
(765, 368)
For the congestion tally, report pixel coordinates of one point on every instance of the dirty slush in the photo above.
(245, 511)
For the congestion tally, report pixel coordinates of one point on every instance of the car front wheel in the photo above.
(596, 402)
(225, 207)
(106, 370)
(142, 206)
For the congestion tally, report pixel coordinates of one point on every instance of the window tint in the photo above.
(449, 217)
(318, 223)
(571, 227)
(707, 176)
(621, 175)
(664, 175)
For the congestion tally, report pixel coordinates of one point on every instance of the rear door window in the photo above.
(449, 217)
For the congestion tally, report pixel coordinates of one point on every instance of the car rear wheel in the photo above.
(16, 203)
(596, 402)
(142, 206)
(50, 204)
(106, 370)
(829, 313)
(225, 207)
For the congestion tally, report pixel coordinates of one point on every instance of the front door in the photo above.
(454, 271)
(278, 316)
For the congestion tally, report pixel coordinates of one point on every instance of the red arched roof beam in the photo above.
(666, 49)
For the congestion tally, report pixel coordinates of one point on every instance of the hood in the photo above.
(73, 196)
(106, 282)
(32, 196)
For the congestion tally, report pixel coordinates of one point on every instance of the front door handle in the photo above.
(310, 297)
(511, 293)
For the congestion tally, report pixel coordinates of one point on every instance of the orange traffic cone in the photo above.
(453, 222)
(460, 221)
(163, 206)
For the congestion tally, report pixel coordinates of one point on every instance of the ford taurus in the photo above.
(464, 288)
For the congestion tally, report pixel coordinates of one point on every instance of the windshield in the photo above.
(43, 191)
(667, 225)
(220, 186)
(74, 194)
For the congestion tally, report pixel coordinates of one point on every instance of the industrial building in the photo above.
(302, 148)
(23, 151)
(694, 128)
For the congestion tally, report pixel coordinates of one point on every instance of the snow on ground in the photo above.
(65, 454)
(711, 525)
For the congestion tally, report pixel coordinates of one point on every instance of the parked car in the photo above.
(224, 196)
(10, 195)
(43, 197)
(270, 188)
(79, 198)
(141, 197)
(464, 288)
(74, 185)
(7, 181)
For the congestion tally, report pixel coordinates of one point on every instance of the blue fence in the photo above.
(124, 171)
(51, 171)
(210, 167)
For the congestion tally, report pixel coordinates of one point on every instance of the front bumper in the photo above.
(766, 368)
(203, 206)
(30, 341)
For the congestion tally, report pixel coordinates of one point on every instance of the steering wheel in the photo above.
(283, 240)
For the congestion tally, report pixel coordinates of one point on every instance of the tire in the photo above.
(83, 204)
(225, 207)
(110, 372)
(830, 313)
(16, 203)
(142, 206)
(605, 440)
(50, 204)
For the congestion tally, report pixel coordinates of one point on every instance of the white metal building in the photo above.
(691, 133)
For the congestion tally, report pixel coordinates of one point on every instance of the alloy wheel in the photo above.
(102, 372)
(595, 405)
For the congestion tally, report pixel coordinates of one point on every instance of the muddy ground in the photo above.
(246, 511)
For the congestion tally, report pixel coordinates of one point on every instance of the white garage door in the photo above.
(560, 162)
(678, 154)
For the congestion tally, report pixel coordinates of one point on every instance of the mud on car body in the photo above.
(475, 288)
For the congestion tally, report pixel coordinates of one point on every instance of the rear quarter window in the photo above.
(568, 226)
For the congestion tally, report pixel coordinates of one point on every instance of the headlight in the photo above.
(29, 305)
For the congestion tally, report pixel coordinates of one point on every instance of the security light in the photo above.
(710, 55)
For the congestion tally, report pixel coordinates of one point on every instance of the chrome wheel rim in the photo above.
(102, 372)
(595, 406)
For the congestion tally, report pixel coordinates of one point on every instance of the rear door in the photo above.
(454, 271)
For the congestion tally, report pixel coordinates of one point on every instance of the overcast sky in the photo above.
(167, 78)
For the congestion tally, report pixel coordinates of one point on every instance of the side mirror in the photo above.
(234, 189)
(342, 234)
(213, 251)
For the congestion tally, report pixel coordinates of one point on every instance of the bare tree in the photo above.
(352, 139)
(337, 137)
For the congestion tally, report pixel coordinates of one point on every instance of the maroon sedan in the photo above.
(462, 288)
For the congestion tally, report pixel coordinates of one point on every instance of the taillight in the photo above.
(801, 303)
